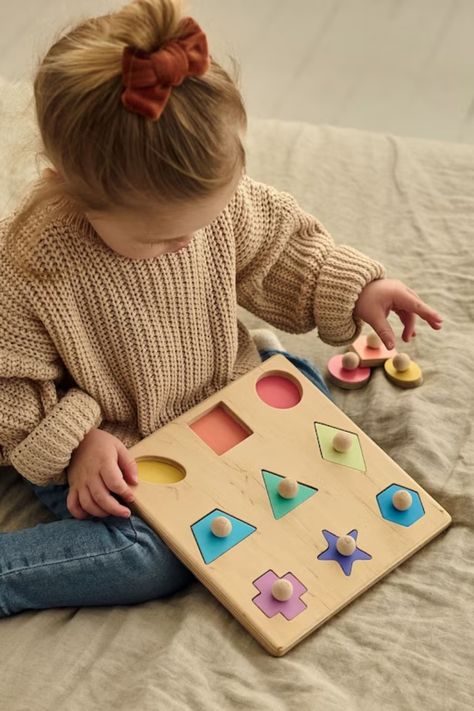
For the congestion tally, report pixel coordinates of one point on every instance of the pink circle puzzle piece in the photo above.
(349, 379)
(269, 605)
(279, 391)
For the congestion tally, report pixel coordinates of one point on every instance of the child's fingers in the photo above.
(408, 318)
(127, 464)
(94, 500)
(382, 327)
(113, 481)
(105, 504)
(113, 475)
(410, 302)
(73, 505)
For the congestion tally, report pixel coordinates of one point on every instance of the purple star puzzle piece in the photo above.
(269, 605)
(345, 561)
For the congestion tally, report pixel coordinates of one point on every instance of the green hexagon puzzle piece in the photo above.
(352, 458)
(280, 505)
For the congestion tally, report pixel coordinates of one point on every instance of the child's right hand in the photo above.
(100, 465)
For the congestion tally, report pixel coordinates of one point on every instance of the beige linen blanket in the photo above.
(408, 642)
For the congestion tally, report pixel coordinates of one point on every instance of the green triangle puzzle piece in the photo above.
(280, 505)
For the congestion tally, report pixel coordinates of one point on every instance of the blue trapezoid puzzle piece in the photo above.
(212, 546)
(280, 505)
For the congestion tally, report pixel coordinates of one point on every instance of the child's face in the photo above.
(151, 232)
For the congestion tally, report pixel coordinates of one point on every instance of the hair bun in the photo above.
(149, 76)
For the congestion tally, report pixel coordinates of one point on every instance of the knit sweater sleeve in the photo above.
(289, 271)
(41, 423)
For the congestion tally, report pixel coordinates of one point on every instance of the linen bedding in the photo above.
(407, 643)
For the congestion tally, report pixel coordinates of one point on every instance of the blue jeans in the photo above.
(92, 562)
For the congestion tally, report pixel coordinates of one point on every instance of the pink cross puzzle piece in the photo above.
(269, 605)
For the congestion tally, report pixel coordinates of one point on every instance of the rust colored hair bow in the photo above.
(149, 76)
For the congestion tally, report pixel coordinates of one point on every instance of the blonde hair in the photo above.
(107, 157)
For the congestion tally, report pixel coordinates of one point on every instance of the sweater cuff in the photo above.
(345, 272)
(44, 455)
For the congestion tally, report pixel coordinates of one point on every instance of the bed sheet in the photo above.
(408, 642)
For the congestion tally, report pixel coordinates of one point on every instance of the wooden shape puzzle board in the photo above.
(273, 536)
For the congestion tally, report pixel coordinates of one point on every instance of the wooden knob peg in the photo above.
(288, 488)
(350, 360)
(282, 589)
(221, 526)
(342, 441)
(345, 545)
(373, 340)
(401, 362)
(402, 500)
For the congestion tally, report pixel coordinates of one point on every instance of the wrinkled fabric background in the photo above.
(408, 642)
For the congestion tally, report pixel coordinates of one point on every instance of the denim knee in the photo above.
(103, 561)
(150, 562)
(146, 568)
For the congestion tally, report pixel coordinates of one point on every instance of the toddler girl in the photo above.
(121, 274)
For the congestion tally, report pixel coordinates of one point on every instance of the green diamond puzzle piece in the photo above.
(352, 458)
(280, 505)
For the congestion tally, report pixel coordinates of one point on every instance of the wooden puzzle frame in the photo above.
(283, 442)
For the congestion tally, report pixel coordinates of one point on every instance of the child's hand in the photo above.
(378, 298)
(100, 465)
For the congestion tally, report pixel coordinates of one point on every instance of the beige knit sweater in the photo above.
(128, 345)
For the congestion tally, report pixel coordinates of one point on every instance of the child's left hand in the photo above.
(381, 296)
